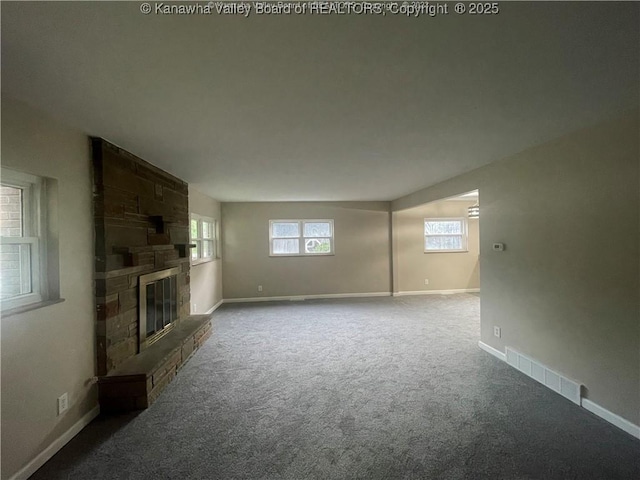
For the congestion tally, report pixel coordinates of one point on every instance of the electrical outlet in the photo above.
(259, 288)
(63, 403)
(426, 281)
(497, 332)
(195, 308)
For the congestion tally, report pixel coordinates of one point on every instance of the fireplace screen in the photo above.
(158, 305)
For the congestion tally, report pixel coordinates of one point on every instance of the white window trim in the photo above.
(214, 239)
(301, 238)
(34, 220)
(464, 234)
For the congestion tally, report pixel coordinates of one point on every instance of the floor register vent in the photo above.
(553, 380)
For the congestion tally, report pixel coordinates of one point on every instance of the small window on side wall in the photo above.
(27, 276)
(445, 235)
(203, 236)
(300, 237)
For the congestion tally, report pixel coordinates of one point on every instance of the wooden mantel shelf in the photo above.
(132, 254)
(153, 248)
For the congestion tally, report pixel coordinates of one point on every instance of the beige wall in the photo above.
(445, 271)
(206, 278)
(361, 262)
(49, 351)
(566, 289)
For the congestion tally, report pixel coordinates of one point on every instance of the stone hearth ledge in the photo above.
(137, 383)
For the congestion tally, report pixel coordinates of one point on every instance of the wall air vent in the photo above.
(553, 380)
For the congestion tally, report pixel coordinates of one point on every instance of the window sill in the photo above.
(446, 251)
(275, 255)
(200, 262)
(27, 308)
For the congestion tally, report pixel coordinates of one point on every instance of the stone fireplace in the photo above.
(144, 330)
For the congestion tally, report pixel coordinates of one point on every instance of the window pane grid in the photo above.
(15, 270)
(207, 230)
(203, 236)
(445, 235)
(207, 249)
(12, 201)
(317, 245)
(301, 237)
(284, 246)
(195, 251)
(285, 230)
(443, 227)
(21, 281)
(194, 229)
(317, 229)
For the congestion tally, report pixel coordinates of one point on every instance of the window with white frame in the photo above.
(203, 236)
(22, 243)
(445, 235)
(300, 237)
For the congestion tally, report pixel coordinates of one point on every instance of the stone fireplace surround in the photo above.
(141, 226)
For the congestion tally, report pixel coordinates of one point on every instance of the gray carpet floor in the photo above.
(377, 388)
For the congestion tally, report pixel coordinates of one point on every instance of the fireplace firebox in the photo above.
(158, 305)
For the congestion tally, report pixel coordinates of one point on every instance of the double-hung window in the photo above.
(300, 237)
(203, 236)
(445, 235)
(22, 242)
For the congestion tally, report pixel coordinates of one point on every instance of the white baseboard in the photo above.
(611, 417)
(214, 308)
(31, 467)
(558, 383)
(437, 292)
(306, 297)
(495, 352)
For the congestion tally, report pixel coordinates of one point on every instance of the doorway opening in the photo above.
(437, 247)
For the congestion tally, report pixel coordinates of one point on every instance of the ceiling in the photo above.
(322, 107)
